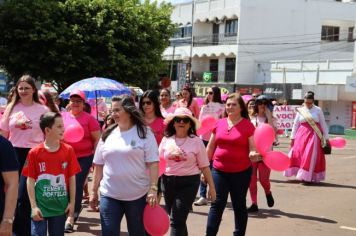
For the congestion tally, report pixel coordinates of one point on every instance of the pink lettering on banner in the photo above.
(285, 115)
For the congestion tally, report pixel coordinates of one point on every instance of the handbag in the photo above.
(325, 145)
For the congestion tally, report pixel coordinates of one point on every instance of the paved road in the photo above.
(325, 209)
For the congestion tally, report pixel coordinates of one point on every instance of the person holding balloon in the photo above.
(306, 153)
(231, 147)
(185, 157)
(212, 108)
(82, 132)
(260, 171)
(125, 152)
(20, 124)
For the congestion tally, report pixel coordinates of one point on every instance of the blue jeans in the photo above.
(112, 211)
(203, 186)
(85, 164)
(55, 226)
(237, 185)
(179, 193)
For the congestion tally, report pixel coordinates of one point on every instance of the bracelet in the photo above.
(8, 220)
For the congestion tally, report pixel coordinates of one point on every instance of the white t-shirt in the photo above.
(124, 156)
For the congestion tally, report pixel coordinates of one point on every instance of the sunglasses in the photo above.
(210, 93)
(147, 103)
(185, 120)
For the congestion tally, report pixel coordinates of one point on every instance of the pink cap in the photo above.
(78, 93)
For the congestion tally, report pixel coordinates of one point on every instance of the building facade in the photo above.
(259, 45)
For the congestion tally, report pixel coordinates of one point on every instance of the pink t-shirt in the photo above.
(194, 107)
(23, 125)
(169, 110)
(186, 159)
(84, 147)
(157, 127)
(232, 147)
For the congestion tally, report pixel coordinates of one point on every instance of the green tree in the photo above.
(66, 41)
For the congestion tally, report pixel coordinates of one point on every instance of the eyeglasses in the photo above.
(148, 103)
(24, 88)
(76, 101)
(209, 93)
(185, 120)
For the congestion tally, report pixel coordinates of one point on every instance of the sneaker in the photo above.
(253, 208)
(270, 200)
(201, 202)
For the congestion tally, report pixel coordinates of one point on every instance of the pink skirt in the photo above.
(306, 155)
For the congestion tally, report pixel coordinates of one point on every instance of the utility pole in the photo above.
(172, 62)
(189, 64)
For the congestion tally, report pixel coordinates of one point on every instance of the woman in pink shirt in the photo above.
(185, 158)
(149, 106)
(189, 102)
(230, 147)
(84, 149)
(20, 124)
(165, 100)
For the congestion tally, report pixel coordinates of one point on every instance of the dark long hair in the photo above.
(16, 97)
(240, 101)
(216, 95)
(152, 96)
(128, 104)
(189, 102)
(170, 130)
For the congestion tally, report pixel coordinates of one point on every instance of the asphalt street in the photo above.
(323, 209)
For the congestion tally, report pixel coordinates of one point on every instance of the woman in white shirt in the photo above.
(125, 152)
(306, 154)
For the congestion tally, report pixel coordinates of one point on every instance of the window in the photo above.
(214, 64)
(230, 64)
(350, 37)
(231, 27)
(183, 32)
(330, 33)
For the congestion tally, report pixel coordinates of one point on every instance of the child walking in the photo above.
(51, 167)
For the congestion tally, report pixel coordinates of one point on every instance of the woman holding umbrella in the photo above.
(84, 149)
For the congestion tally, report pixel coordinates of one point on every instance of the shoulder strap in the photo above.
(306, 114)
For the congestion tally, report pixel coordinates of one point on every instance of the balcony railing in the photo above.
(226, 76)
(206, 40)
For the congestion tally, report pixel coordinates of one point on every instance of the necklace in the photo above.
(179, 145)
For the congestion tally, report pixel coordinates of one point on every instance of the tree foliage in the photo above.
(65, 41)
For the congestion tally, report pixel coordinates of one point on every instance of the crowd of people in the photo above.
(44, 176)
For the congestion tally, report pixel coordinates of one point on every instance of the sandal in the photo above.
(69, 227)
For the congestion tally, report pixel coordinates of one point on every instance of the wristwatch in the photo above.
(154, 187)
(8, 220)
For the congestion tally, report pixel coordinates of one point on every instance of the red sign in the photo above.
(353, 122)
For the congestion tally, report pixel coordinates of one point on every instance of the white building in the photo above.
(246, 44)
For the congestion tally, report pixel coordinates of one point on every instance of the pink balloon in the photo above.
(207, 124)
(162, 166)
(264, 137)
(338, 142)
(247, 97)
(73, 133)
(224, 97)
(277, 161)
(155, 220)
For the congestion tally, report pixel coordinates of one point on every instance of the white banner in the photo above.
(285, 115)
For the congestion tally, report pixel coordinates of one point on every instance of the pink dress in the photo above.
(306, 155)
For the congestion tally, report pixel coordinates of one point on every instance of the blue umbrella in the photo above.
(97, 87)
